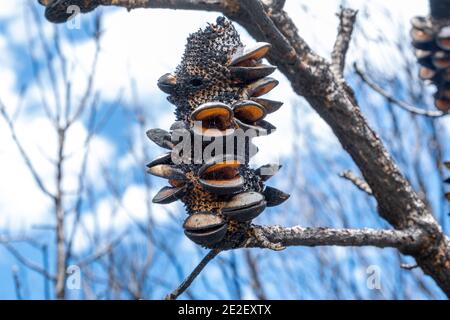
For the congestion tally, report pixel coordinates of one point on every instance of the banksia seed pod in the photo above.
(59, 11)
(216, 90)
(432, 43)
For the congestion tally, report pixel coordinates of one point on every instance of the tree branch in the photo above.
(257, 284)
(27, 263)
(405, 106)
(299, 236)
(187, 282)
(17, 282)
(23, 153)
(101, 252)
(277, 238)
(205, 5)
(358, 182)
(347, 18)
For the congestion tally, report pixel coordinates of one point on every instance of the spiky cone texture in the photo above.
(216, 90)
(431, 40)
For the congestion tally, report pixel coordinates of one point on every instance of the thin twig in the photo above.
(257, 284)
(29, 264)
(187, 282)
(23, 153)
(402, 104)
(102, 252)
(90, 81)
(358, 182)
(347, 18)
(17, 283)
(45, 264)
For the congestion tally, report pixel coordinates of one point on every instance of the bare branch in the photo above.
(255, 276)
(23, 153)
(27, 263)
(358, 182)
(59, 212)
(187, 282)
(207, 5)
(406, 106)
(266, 25)
(90, 81)
(45, 264)
(17, 282)
(102, 252)
(347, 18)
(311, 237)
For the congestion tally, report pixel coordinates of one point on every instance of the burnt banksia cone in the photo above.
(217, 91)
(431, 41)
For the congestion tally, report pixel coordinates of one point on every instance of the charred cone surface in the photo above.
(216, 91)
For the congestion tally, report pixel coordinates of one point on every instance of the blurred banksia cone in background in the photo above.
(431, 40)
(447, 181)
(216, 90)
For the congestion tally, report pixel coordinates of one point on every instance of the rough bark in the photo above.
(312, 237)
(347, 19)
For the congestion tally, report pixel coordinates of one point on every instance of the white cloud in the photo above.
(142, 44)
(110, 217)
(134, 202)
(9, 9)
(21, 198)
(21, 203)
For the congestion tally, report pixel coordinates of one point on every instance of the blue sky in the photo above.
(136, 47)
